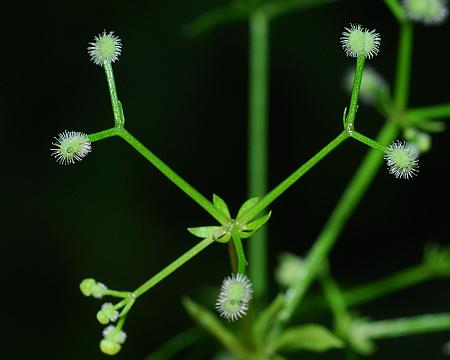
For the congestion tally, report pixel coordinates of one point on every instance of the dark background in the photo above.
(115, 218)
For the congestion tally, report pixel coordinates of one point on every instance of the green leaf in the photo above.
(221, 205)
(247, 206)
(205, 231)
(312, 337)
(256, 224)
(214, 326)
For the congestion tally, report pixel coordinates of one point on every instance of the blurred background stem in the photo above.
(257, 158)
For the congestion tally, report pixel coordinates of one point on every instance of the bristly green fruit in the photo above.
(105, 48)
(359, 41)
(428, 12)
(235, 295)
(70, 146)
(401, 159)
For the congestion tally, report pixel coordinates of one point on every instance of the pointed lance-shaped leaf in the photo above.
(205, 231)
(221, 205)
(256, 224)
(247, 206)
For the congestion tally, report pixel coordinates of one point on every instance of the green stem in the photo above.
(297, 174)
(335, 299)
(257, 157)
(396, 10)
(117, 108)
(405, 326)
(242, 262)
(368, 141)
(276, 8)
(378, 288)
(173, 176)
(430, 112)
(169, 269)
(115, 293)
(333, 228)
(403, 78)
(103, 134)
(176, 344)
(353, 107)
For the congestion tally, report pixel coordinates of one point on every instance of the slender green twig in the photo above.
(396, 10)
(176, 344)
(257, 158)
(441, 111)
(103, 134)
(214, 18)
(335, 299)
(277, 8)
(267, 199)
(173, 176)
(242, 262)
(376, 289)
(405, 326)
(368, 141)
(117, 110)
(350, 119)
(169, 269)
(402, 81)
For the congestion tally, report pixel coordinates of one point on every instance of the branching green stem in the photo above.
(297, 174)
(169, 269)
(333, 228)
(405, 326)
(368, 141)
(257, 158)
(356, 188)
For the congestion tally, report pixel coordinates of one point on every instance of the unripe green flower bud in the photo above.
(107, 314)
(290, 270)
(109, 347)
(90, 287)
(420, 139)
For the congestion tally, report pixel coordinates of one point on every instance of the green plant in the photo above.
(267, 335)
